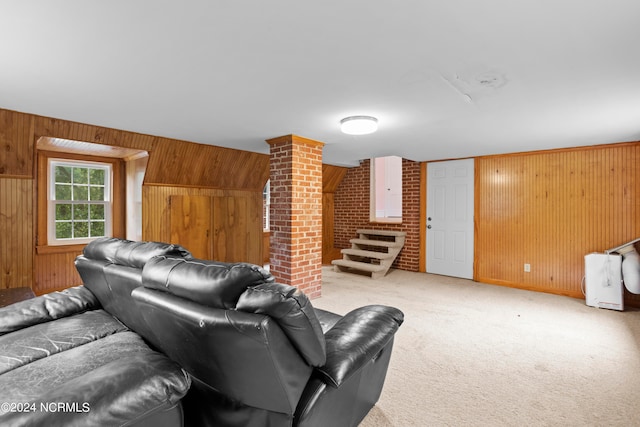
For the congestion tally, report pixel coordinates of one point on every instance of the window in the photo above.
(79, 201)
(86, 190)
(386, 189)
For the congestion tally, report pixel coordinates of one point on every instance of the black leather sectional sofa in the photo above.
(157, 338)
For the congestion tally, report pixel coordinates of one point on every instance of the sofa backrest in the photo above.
(294, 314)
(211, 283)
(129, 253)
(227, 324)
(232, 328)
(111, 268)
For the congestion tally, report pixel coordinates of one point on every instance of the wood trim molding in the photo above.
(119, 183)
(59, 249)
(422, 247)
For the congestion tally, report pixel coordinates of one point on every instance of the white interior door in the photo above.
(450, 218)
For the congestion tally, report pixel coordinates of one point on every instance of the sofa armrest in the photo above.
(356, 339)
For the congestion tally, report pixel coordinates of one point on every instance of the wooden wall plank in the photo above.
(16, 144)
(206, 166)
(56, 271)
(57, 128)
(190, 221)
(237, 237)
(16, 229)
(332, 177)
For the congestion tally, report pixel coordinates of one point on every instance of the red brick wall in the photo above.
(296, 213)
(352, 211)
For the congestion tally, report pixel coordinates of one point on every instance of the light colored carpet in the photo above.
(471, 354)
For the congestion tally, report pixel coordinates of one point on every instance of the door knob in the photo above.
(428, 218)
(428, 226)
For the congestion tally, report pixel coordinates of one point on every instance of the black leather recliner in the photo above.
(67, 360)
(257, 352)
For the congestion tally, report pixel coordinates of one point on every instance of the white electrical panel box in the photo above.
(603, 281)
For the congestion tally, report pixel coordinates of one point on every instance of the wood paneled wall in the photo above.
(16, 232)
(233, 225)
(550, 209)
(17, 239)
(177, 163)
(331, 178)
(55, 271)
(56, 128)
(16, 143)
(547, 209)
(179, 166)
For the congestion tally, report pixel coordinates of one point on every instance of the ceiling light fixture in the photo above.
(359, 125)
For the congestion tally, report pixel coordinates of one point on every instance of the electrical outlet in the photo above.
(527, 268)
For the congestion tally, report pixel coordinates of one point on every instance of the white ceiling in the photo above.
(445, 78)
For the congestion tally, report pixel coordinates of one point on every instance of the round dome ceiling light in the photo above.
(359, 125)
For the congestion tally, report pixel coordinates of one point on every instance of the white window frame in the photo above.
(52, 202)
(266, 206)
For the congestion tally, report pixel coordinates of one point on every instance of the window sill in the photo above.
(386, 221)
(59, 249)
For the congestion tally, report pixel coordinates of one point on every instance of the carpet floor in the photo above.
(471, 354)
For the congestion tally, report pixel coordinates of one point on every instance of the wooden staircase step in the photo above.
(381, 243)
(367, 254)
(363, 266)
(388, 233)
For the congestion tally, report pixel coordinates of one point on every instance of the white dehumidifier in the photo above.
(603, 281)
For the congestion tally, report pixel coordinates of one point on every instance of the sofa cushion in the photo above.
(129, 253)
(27, 345)
(293, 312)
(211, 283)
(326, 318)
(46, 308)
(111, 381)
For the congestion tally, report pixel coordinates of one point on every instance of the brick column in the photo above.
(296, 212)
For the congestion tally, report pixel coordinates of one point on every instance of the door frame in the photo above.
(423, 215)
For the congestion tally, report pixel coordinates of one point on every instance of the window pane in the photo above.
(80, 175)
(63, 192)
(96, 211)
(96, 176)
(80, 192)
(63, 212)
(80, 212)
(80, 229)
(63, 230)
(97, 228)
(63, 174)
(96, 193)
